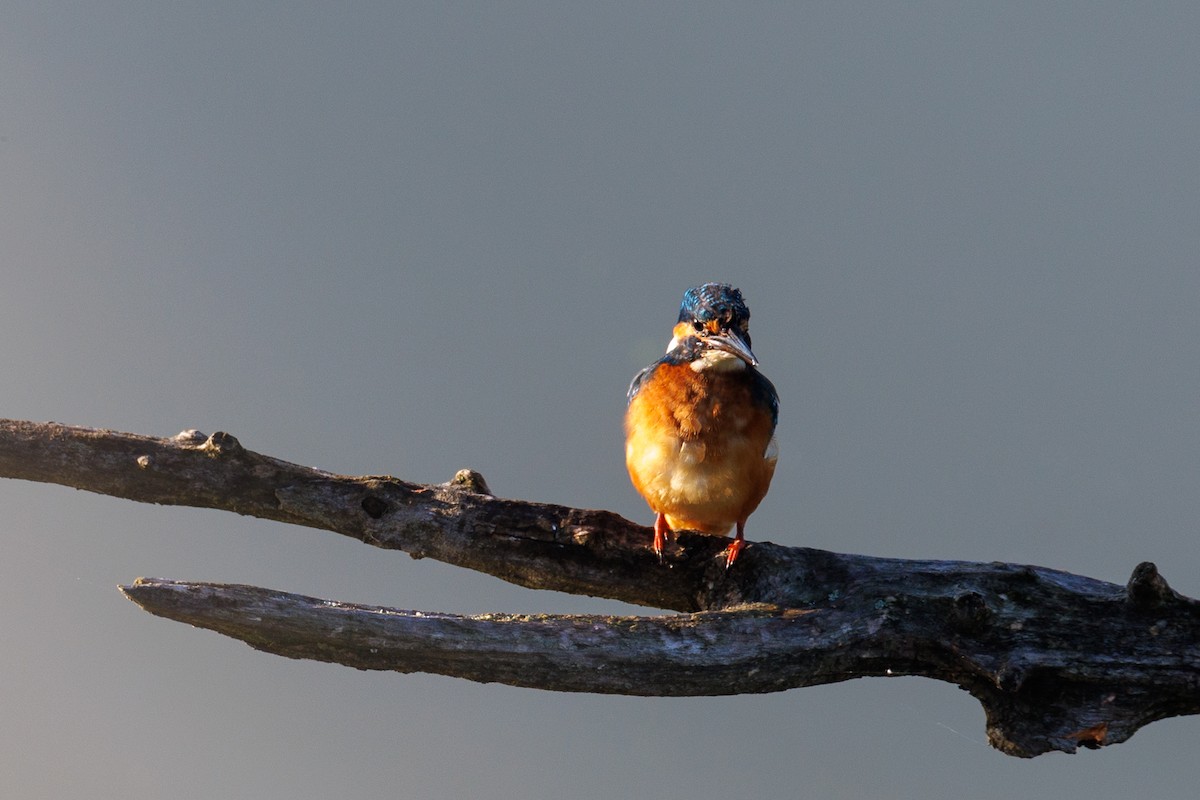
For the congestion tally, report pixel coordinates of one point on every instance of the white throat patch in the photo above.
(718, 361)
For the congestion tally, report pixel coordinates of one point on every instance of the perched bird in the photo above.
(699, 429)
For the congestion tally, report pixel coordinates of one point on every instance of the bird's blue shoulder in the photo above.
(640, 380)
(684, 352)
(763, 392)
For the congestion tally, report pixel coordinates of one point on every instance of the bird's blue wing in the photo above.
(764, 392)
(639, 380)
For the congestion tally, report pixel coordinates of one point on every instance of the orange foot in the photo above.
(661, 529)
(736, 546)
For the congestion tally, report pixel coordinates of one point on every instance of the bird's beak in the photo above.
(732, 342)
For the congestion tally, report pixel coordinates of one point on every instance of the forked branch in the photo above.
(1057, 660)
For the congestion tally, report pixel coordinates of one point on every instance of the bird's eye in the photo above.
(698, 325)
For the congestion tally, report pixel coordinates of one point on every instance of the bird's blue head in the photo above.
(715, 317)
(717, 302)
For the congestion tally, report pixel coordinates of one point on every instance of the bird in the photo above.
(700, 423)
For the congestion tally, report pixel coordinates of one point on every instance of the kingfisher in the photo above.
(700, 424)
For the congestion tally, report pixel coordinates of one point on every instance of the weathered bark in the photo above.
(1057, 660)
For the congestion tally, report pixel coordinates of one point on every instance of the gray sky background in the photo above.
(409, 238)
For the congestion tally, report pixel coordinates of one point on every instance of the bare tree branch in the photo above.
(1057, 660)
(680, 655)
(538, 545)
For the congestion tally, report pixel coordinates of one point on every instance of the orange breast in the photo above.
(698, 447)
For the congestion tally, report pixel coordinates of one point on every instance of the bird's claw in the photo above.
(731, 552)
(661, 529)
